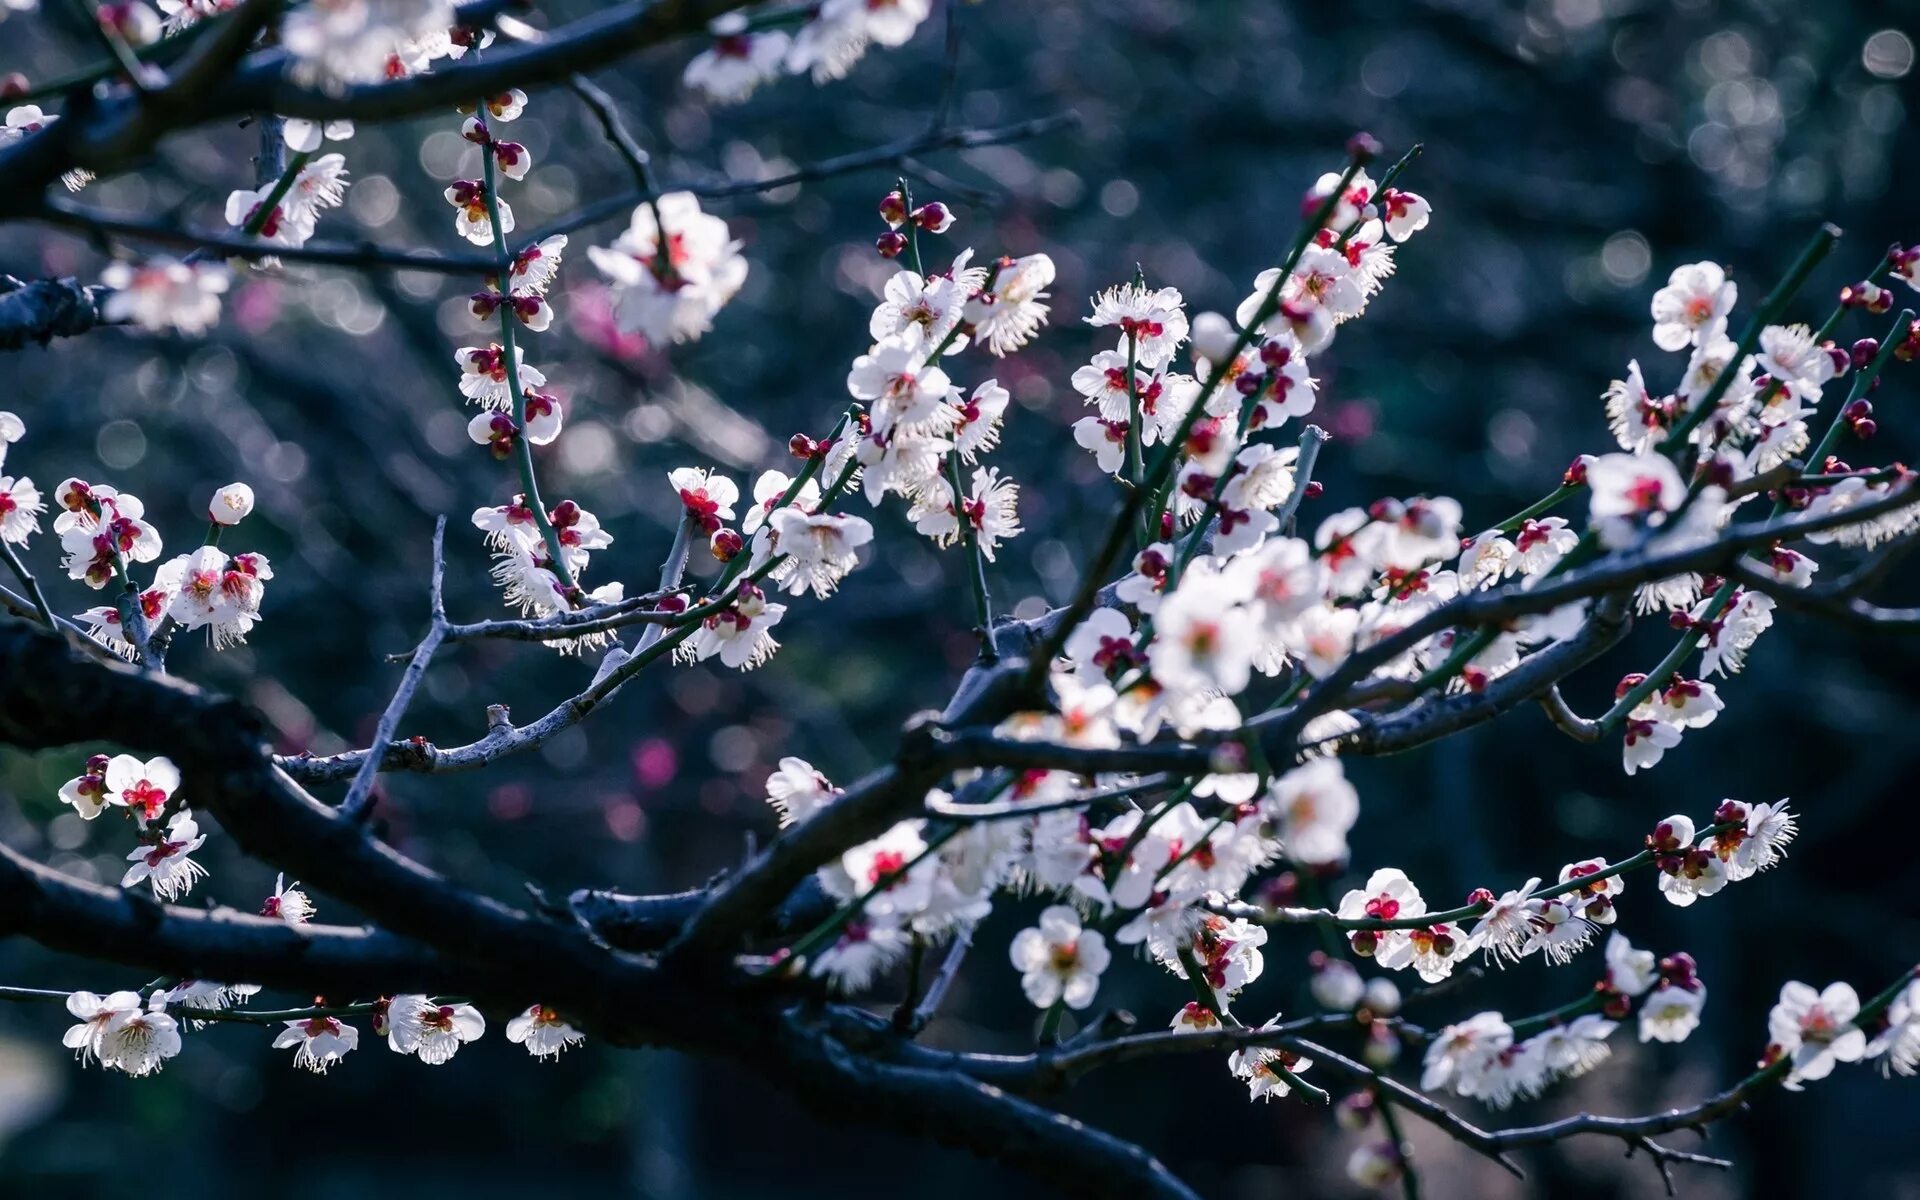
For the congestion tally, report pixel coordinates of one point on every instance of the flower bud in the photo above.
(673, 604)
(1480, 896)
(1382, 997)
(1576, 473)
(1355, 1112)
(1213, 337)
(803, 447)
(1373, 1165)
(934, 217)
(1364, 942)
(725, 544)
(1363, 148)
(890, 244)
(893, 209)
(14, 86)
(1315, 489)
(231, 504)
(1336, 986)
(1382, 1049)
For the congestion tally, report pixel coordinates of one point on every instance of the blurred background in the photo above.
(1576, 151)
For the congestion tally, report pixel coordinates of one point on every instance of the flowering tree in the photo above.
(1153, 768)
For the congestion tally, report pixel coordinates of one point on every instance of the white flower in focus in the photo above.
(163, 862)
(143, 787)
(1007, 315)
(1693, 306)
(797, 791)
(1153, 321)
(318, 1042)
(1059, 962)
(542, 1032)
(820, 546)
(1266, 1068)
(95, 1015)
(1798, 364)
(138, 1041)
(1816, 1030)
(288, 902)
(231, 504)
(1672, 1012)
(433, 1032)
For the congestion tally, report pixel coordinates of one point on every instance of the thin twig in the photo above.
(358, 800)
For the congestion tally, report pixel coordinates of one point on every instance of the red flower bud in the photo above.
(725, 544)
(890, 244)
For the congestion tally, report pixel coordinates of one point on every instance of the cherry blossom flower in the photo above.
(201, 995)
(1387, 896)
(1815, 1030)
(1153, 321)
(141, 787)
(230, 505)
(864, 948)
(163, 863)
(1728, 638)
(1006, 315)
(473, 209)
(1799, 365)
(1630, 972)
(136, 1040)
(288, 902)
(1757, 844)
(1671, 1012)
(741, 636)
(797, 791)
(434, 1032)
(1630, 490)
(926, 309)
(96, 1015)
(1459, 1054)
(1646, 741)
(1693, 307)
(820, 548)
(484, 376)
(220, 594)
(1505, 931)
(672, 270)
(165, 294)
(1897, 1047)
(541, 1030)
(318, 1042)
(335, 43)
(707, 495)
(737, 62)
(1315, 807)
(905, 391)
(978, 430)
(1060, 962)
(992, 509)
(1266, 1068)
(1404, 213)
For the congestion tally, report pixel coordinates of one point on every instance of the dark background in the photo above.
(1576, 151)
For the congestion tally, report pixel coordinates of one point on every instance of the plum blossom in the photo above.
(737, 62)
(1059, 961)
(165, 294)
(796, 790)
(543, 1032)
(318, 1042)
(1693, 306)
(1815, 1030)
(163, 864)
(672, 270)
(433, 1032)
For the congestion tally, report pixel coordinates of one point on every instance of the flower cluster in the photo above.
(825, 42)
